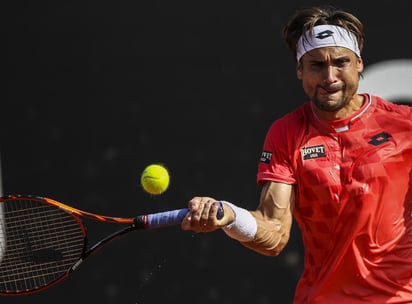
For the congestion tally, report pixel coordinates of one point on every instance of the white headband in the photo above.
(326, 35)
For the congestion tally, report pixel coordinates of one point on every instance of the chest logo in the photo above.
(379, 139)
(313, 152)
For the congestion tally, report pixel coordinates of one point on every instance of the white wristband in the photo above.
(244, 227)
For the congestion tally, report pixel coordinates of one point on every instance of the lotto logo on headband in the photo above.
(326, 35)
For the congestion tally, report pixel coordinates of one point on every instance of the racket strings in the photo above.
(38, 244)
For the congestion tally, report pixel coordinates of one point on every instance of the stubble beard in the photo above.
(331, 106)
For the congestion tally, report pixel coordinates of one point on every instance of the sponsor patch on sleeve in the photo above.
(266, 157)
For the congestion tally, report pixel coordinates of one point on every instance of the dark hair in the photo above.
(305, 19)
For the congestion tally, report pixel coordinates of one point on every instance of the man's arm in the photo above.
(265, 230)
(274, 219)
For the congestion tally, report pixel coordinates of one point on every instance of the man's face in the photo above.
(330, 77)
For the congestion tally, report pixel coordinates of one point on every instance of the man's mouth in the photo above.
(328, 91)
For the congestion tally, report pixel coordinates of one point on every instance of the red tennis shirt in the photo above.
(353, 180)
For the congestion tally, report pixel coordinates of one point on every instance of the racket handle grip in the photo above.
(169, 218)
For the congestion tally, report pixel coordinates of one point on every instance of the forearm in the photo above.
(271, 236)
(265, 230)
(267, 236)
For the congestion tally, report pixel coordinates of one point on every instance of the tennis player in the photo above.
(341, 165)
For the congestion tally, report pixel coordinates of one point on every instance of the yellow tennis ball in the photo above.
(155, 179)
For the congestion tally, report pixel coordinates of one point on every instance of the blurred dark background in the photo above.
(97, 90)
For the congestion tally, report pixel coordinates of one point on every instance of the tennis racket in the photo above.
(42, 241)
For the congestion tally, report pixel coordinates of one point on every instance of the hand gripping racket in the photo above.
(42, 241)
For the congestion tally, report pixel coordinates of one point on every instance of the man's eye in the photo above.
(341, 63)
(317, 65)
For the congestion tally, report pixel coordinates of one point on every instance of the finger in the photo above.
(206, 215)
(194, 203)
(186, 222)
(200, 217)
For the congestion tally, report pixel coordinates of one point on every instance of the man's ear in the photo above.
(359, 63)
(299, 70)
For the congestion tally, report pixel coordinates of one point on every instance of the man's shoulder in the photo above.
(383, 104)
(290, 126)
